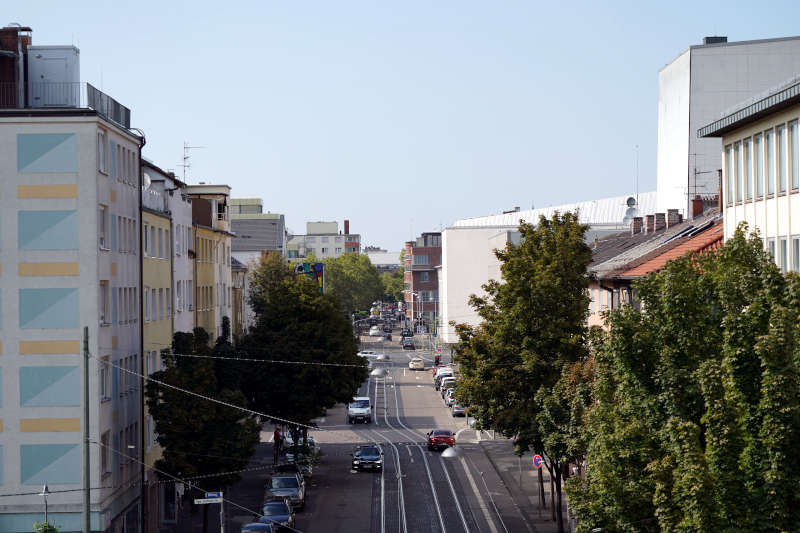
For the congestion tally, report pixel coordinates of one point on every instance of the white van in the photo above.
(359, 409)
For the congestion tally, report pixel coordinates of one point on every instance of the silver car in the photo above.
(456, 409)
(289, 486)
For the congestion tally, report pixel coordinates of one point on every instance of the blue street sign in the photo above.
(213, 495)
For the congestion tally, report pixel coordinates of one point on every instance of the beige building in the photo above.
(761, 171)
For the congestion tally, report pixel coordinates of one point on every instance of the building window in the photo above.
(423, 276)
(153, 315)
(737, 150)
(338, 250)
(146, 304)
(102, 227)
(780, 155)
(771, 249)
(783, 254)
(325, 250)
(311, 239)
(729, 172)
(101, 152)
(160, 245)
(793, 154)
(146, 241)
(769, 135)
(103, 304)
(104, 453)
(759, 160)
(167, 302)
(796, 254)
(160, 304)
(748, 169)
(104, 379)
(421, 259)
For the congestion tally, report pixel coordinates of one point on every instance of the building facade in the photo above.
(421, 280)
(760, 160)
(254, 230)
(323, 240)
(70, 196)
(694, 90)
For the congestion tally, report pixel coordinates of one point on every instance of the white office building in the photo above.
(693, 91)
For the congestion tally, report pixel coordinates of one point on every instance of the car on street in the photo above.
(288, 486)
(387, 336)
(368, 354)
(446, 381)
(367, 457)
(406, 333)
(375, 331)
(359, 409)
(456, 409)
(257, 527)
(439, 439)
(416, 364)
(450, 397)
(279, 513)
(408, 344)
(387, 328)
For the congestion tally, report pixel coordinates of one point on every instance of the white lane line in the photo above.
(481, 501)
(455, 497)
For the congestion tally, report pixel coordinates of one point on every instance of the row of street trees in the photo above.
(685, 411)
(297, 361)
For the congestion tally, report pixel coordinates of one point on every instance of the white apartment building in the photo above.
(69, 193)
(324, 240)
(760, 148)
(694, 90)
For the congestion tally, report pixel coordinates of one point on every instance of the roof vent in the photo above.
(715, 39)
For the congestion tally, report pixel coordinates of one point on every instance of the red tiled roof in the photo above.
(709, 239)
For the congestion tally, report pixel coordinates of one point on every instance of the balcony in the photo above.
(63, 95)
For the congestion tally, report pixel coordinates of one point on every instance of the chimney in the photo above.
(347, 227)
(636, 225)
(672, 218)
(650, 223)
(697, 206)
(661, 221)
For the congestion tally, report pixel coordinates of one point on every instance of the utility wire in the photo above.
(197, 395)
(244, 359)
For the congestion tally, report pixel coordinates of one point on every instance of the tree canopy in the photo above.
(695, 412)
(393, 286)
(294, 322)
(518, 364)
(353, 280)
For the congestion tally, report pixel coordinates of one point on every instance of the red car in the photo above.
(439, 439)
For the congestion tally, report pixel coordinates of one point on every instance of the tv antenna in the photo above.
(186, 164)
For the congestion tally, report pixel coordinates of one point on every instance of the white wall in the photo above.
(673, 133)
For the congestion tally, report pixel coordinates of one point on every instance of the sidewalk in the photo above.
(523, 484)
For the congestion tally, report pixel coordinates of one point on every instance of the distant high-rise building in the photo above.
(254, 231)
(324, 240)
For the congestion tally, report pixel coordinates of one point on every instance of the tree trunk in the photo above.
(542, 500)
(558, 496)
(552, 496)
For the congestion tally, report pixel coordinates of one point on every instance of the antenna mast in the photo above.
(186, 164)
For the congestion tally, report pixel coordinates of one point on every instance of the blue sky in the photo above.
(399, 116)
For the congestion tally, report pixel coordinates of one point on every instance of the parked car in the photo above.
(416, 364)
(375, 331)
(367, 457)
(445, 382)
(406, 333)
(450, 397)
(368, 354)
(288, 486)
(387, 336)
(456, 409)
(278, 513)
(439, 439)
(387, 328)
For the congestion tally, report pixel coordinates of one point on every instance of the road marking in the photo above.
(481, 501)
(453, 491)
(383, 494)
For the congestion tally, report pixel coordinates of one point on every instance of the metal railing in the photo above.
(55, 95)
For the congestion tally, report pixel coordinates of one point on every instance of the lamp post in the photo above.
(45, 493)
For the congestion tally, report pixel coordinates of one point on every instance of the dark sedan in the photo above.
(367, 458)
(279, 513)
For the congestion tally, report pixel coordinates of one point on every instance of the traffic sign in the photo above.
(203, 501)
(537, 461)
(439, 349)
(213, 495)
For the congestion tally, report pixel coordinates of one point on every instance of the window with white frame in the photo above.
(423, 276)
(783, 254)
(160, 303)
(737, 150)
(771, 249)
(146, 240)
(101, 152)
(747, 148)
(168, 302)
(758, 160)
(146, 304)
(160, 245)
(729, 178)
(102, 227)
(105, 316)
(794, 157)
(105, 452)
(104, 392)
(153, 248)
(780, 156)
(769, 149)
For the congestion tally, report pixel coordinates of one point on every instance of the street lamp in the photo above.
(452, 451)
(45, 493)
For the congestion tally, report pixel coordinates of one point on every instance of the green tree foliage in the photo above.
(393, 286)
(294, 322)
(696, 403)
(44, 527)
(524, 366)
(200, 437)
(353, 280)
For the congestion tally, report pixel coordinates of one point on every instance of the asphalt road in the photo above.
(418, 491)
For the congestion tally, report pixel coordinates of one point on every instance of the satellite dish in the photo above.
(627, 221)
(147, 180)
(631, 212)
(631, 201)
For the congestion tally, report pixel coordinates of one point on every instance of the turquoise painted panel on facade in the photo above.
(49, 386)
(48, 308)
(47, 152)
(47, 230)
(56, 464)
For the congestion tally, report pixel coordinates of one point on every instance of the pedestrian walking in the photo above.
(277, 443)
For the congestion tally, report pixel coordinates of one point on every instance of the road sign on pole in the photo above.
(204, 501)
(213, 495)
(537, 461)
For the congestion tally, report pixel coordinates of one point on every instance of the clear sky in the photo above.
(398, 115)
